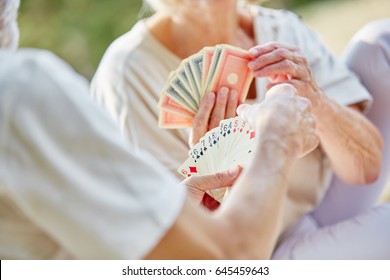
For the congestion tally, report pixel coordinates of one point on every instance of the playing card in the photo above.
(180, 72)
(231, 71)
(196, 65)
(208, 53)
(213, 67)
(171, 120)
(188, 168)
(172, 106)
(180, 89)
(175, 95)
(230, 144)
(208, 70)
(195, 94)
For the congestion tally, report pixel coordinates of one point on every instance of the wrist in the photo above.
(325, 112)
(271, 159)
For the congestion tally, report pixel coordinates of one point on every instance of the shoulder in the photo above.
(375, 32)
(285, 26)
(31, 68)
(36, 80)
(26, 61)
(127, 50)
(277, 15)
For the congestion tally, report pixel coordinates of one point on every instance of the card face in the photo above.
(188, 168)
(230, 144)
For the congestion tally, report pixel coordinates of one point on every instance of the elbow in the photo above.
(368, 171)
(370, 177)
(374, 170)
(374, 166)
(369, 164)
(363, 178)
(371, 160)
(242, 244)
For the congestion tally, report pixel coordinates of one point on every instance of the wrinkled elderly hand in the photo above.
(282, 63)
(283, 117)
(198, 185)
(212, 109)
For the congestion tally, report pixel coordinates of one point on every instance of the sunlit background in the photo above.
(80, 30)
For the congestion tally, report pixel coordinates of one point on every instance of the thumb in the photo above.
(197, 185)
(280, 88)
(249, 112)
(220, 179)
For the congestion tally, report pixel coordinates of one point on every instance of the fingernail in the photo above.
(224, 91)
(251, 65)
(210, 96)
(253, 52)
(234, 171)
(233, 95)
(241, 108)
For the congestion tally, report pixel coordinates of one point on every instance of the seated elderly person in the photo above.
(283, 49)
(72, 187)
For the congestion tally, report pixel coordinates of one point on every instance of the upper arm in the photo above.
(331, 73)
(194, 235)
(70, 171)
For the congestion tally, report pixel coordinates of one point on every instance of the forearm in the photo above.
(352, 144)
(245, 226)
(252, 213)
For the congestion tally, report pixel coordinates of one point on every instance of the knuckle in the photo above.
(282, 53)
(220, 177)
(289, 88)
(198, 124)
(297, 49)
(288, 64)
(303, 59)
(214, 124)
(276, 45)
(304, 101)
(255, 63)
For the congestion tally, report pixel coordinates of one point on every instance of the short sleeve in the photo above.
(368, 55)
(331, 74)
(66, 165)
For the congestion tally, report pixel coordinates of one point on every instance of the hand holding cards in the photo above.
(222, 148)
(206, 71)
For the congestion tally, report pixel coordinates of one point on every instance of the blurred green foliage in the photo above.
(77, 30)
(81, 30)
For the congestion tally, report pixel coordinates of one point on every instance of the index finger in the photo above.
(201, 119)
(269, 47)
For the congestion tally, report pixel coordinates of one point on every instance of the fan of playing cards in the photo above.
(224, 147)
(206, 71)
